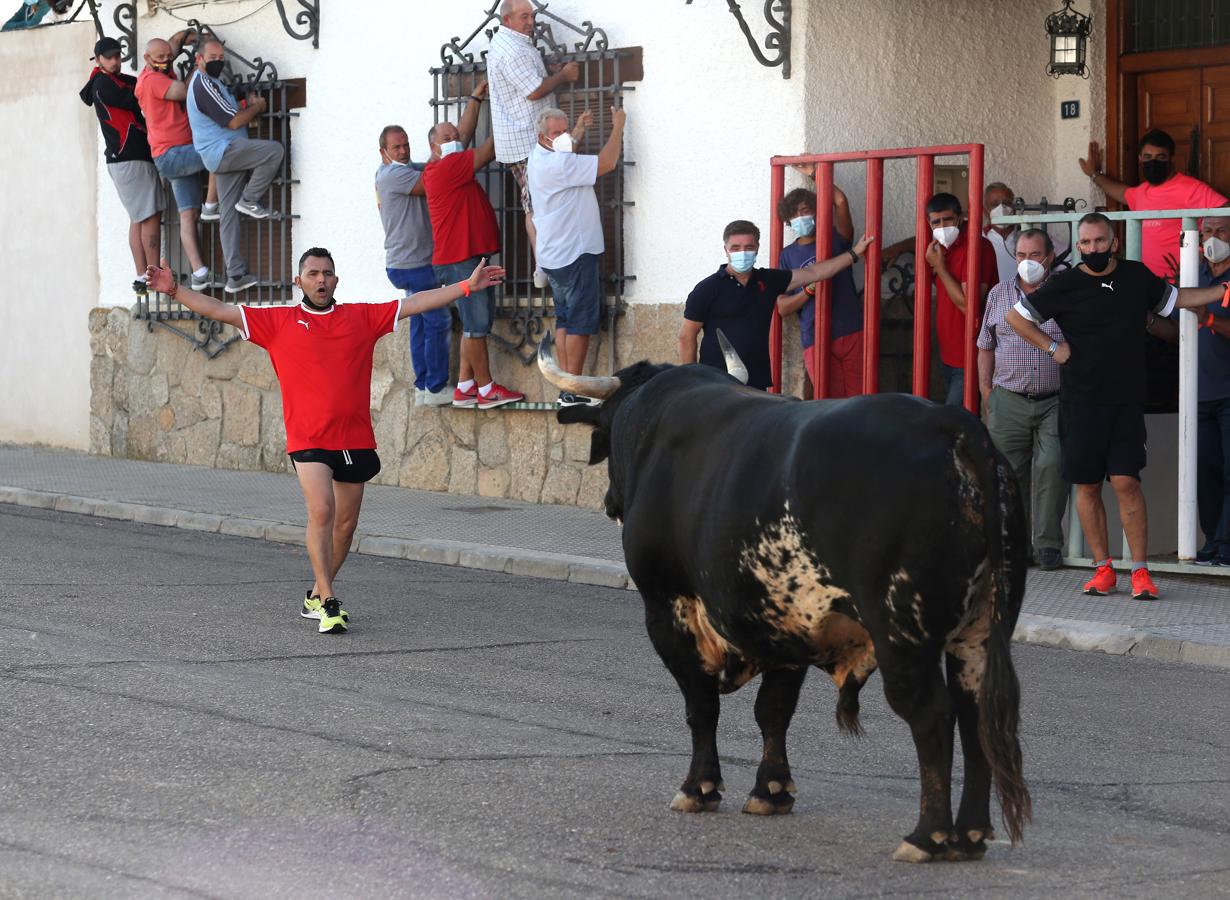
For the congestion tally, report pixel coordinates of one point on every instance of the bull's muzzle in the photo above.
(600, 387)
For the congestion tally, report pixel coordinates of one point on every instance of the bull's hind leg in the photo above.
(917, 693)
(775, 705)
(700, 791)
(966, 663)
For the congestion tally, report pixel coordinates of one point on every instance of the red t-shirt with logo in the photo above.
(463, 223)
(165, 120)
(1159, 238)
(323, 361)
(950, 321)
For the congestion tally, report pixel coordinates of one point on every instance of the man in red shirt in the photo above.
(170, 141)
(322, 356)
(464, 229)
(946, 254)
(1163, 188)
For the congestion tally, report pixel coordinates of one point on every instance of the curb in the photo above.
(1065, 634)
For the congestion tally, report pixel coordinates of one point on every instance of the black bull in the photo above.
(768, 535)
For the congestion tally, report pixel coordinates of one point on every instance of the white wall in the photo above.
(47, 225)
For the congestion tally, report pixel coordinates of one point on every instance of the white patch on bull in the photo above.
(969, 489)
(800, 592)
(902, 597)
(968, 641)
(718, 656)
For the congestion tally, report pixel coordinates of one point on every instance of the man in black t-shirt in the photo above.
(739, 299)
(1101, 305)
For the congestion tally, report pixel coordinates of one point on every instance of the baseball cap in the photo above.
(106, 46)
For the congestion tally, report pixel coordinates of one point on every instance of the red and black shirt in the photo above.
(114, 100)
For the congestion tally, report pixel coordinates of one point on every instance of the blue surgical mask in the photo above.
(449, 147)
(743, 260)
(803, 226)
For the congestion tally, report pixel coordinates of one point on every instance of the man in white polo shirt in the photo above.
(570, 231)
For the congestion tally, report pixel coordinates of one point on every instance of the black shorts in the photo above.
(1097, 441)
(350, 466)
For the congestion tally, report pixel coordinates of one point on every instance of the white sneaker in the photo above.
(418, 396)
(540, 279)
(442, 397)
(210, 212)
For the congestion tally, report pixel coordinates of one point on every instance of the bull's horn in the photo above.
(734, 365)
(597, 386)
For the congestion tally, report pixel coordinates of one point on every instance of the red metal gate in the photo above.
(925, 157)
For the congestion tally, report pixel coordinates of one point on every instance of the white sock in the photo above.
(484, 391)
(140, 278)
(210, 205)
(464, 386)
(201, 272)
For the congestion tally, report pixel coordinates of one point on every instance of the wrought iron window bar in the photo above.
(777, 42)
(266, 242)
(600, 86)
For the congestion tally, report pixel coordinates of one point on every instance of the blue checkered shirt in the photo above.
(1020, 367)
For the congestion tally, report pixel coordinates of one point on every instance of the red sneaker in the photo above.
(498, 396)
(465, 398)
(1102, 582)
(1143, 587)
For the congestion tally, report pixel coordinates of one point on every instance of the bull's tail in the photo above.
(999, 702)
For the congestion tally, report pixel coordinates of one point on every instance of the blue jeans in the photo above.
(182, 167)
(1213, 471)
(577, 295)
(956, 385)
(429, 331)
(476, 310)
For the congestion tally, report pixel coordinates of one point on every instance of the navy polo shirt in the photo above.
(743, 313)
(1213, 350)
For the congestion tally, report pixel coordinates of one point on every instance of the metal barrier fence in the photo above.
(923, 278)
(1189, 269)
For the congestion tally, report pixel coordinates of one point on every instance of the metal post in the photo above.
(1132, 244)
(973, 281)
(823, 289)
(777, 188)
(922, 278)
(1189, 326)
(874, 213)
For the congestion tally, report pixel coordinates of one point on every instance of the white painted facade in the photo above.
(701, 128)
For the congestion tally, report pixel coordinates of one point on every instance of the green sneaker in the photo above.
(331, 620)
(311, 607)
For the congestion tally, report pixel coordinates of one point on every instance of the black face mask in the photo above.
(309, 302)
(1155, 170)
(1097, 262)
(214, 67)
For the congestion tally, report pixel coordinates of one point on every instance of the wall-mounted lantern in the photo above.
(1069, 32)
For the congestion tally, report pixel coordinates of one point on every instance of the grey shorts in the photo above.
(139, 187)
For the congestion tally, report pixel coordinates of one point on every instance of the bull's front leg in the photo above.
(775, 705)
(701, 789)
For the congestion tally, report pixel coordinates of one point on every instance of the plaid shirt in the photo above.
(1020, 367)
(514, 71)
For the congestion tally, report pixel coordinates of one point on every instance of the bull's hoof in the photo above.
(912, 853)
(705, 799)
(774, 799)
(970, 846)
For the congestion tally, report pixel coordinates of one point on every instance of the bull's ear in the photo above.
(599, 447)
(578, 415)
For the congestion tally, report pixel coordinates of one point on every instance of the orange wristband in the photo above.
(465, 287)
(1225, 298)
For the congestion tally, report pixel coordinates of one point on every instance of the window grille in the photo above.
(1176, 24)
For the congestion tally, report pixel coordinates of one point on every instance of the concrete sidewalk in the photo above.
(1191, 623)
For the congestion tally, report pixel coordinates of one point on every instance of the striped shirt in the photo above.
(515, 70)
(1020, 367)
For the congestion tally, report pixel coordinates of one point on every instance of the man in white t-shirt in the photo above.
(570, 231)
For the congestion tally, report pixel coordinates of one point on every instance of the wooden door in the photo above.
(1170, 101)
(1215, 129)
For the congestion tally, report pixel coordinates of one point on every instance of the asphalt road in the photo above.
(172, 728)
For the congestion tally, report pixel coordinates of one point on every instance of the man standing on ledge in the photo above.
(1102, 381)
(322, 356)
(739, 299)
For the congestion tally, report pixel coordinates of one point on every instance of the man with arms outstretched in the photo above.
(322, 356)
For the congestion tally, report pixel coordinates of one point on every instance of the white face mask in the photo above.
(563, 143)
(1002, 209)
(1216, 250)
(1031, 271)
(451, 147)
(946, 235)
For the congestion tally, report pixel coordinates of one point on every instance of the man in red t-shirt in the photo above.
(1163, 188)
(946, 254)
(322, 356)
(161, 98)
(464, 229)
